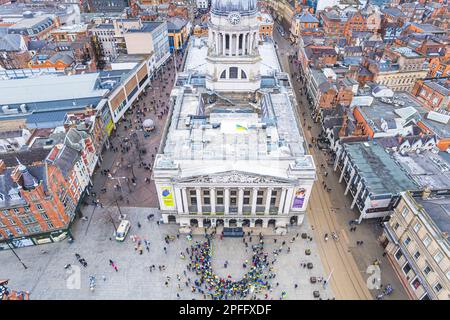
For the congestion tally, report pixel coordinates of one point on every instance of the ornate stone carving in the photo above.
(234, 178)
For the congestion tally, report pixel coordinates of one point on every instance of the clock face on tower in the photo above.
(234, 18)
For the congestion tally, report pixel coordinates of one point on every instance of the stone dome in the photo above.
(224, 7)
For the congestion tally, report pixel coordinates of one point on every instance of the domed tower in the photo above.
(233, 56)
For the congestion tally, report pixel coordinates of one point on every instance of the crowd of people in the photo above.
(254, 281)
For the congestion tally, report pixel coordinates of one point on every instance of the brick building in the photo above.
(39, 194)
(435, 94)
(32, 210)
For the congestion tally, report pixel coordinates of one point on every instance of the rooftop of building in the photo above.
(393, 11)
(428, 28)
(427, 169)
(252, 131)
(147, 26)
(27, 23)
(50, 88)
(198, 50)
(176, 24)
(383, 113)
(381, 174)
(75, 28)
(26, 157)
(407, 52)
(9, 188)
(441, 86)
(10, 42)
(438, 209)
(306, 17)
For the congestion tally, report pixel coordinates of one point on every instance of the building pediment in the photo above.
(233, 177)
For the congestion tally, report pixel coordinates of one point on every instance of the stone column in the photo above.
(282, 201)
(227, 200)
(358, 191)
(241, 200)
(216, 39)
(338, 157)
(288, 201)
(250, 47)
(352, 174)
(198, 194)
(224, 42)
(237, 44)
(343, 170)
(185, 200)
(212, 195)
(178, 200)
(244, 35)
(254, 198)
(268, 196)
(265, 223)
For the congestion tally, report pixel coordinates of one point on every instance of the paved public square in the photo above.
(46, 277)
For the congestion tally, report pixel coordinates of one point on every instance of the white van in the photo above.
(122, 230)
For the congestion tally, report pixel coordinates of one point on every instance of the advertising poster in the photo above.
(167, 196)
(299, 198)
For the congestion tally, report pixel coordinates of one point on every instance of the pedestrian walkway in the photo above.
(47, 278)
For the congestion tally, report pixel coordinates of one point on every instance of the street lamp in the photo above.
(12, 249)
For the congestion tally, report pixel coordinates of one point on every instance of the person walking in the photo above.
(112, 264)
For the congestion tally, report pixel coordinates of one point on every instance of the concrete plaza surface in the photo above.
(46, 277)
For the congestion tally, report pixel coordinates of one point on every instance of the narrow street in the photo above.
(132, 151)
(344, 262)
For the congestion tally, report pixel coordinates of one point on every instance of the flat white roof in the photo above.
(49, 88)
(196, 58)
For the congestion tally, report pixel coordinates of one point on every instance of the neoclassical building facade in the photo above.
(233, 152)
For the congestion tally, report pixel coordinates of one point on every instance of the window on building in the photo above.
(18, 230)
(425, 297)
(223, 75)
(416, 255)
(260, 198)
(206, 197)
(396, 226)
(193, 197)
(405, 212)
(273, 198)
(243, 74)
(246, 197)
(426, 241)
(417, 227)
(50, 224)
(9, 233)
(16, 210)
(233, 197)
(416, 283)
(233, 73)
(398, 254)
(12, 222)
(438, 257)
(219, 197)
(427, 270)
(406, 268)
(38, 206)
(438, 287)
(5, 213)
(407, 241)
(44, 216)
